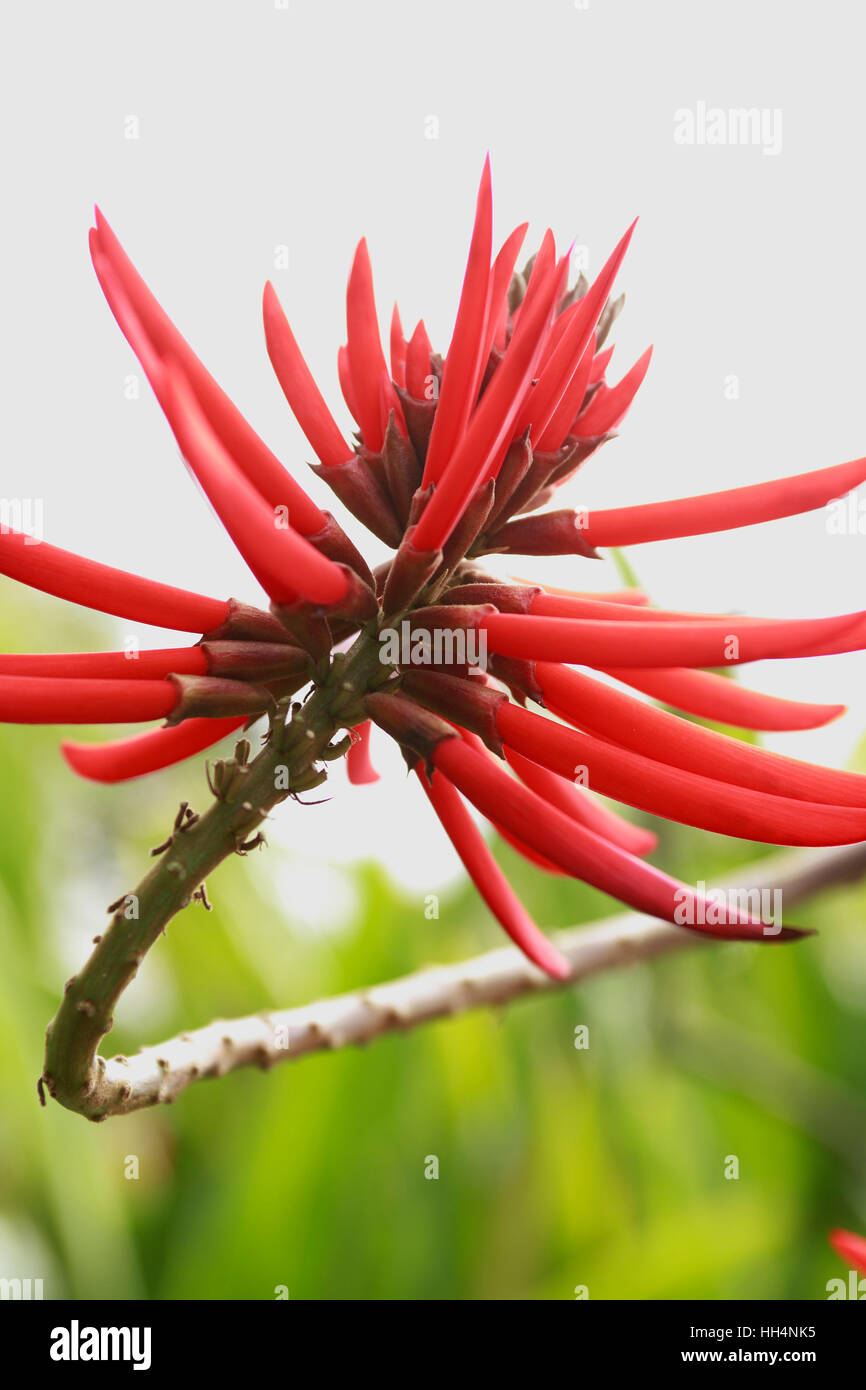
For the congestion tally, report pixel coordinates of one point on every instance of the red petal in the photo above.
(851, 1248)
(149, 327)
(467, 357)
(609, 404)
(523, 849)
(611, 714)
(398, 349)
(622, 596)
(542, 400)
(575, 801)
(722, 511)
(303, 395)
(347, 386)
(480, 451)
(500, 279)
(359, 768)
(105, 589)
(594, 643)
(726, 701)
(285, 563)
(548, 604)
(582, 853)
(554, 434)
(366, 359)
(599, 365)
(418, 356)
(671, 792)
(46, 700)
(135, 665)
(488, 877)
(148, 752)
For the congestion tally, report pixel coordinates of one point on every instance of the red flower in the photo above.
(453, 460)
(850, 1248)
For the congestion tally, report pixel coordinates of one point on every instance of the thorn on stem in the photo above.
(200, 895)
(244, 846)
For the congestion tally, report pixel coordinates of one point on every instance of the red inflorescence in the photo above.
(455, 458)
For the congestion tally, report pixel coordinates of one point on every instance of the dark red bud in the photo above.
(261, 661)
(554, 533)
(412, 726)
(214, 698)
(470, 703)
(358, 488)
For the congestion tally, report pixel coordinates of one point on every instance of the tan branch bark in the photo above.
(160, 1074)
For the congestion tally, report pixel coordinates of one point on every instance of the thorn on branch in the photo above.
(185, 819)
(200, 895)
(243, 847)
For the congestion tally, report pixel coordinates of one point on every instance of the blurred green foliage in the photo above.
(558, 1167)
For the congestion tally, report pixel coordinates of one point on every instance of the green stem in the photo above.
(246, 792)
(623, 566)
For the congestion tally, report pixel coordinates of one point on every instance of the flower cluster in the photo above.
(456, 458)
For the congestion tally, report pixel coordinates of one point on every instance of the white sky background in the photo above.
(306, 126)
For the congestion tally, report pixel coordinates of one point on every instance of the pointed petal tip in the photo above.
(71, 753)
(554, 964)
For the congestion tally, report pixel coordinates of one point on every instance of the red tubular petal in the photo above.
(105, 589)
(682, 796)
(621, 596)
(359, 767)
(723, 511)
(285, 564)
(578, 850)
(488, 877)
(397, 349)
(846, 640)
(577, 802)
(850, 1247)
(545, 395)
(366, 359)
(611, 714)
(526, 851)
(599, 365)
(47, 700)
(709, 696)
(548, 604)
(500, 279)
(523, 849)
(418, 355)
(347, 386)
(594, 643)
(555, 336)
(389, 401)
(136, 665)
(479, 452)
(466, 358)
(149, 326)
(554, 434)
(609, 404)
(148, 752)
(303, 395)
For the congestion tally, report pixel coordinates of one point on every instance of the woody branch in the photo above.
(159, 1074)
